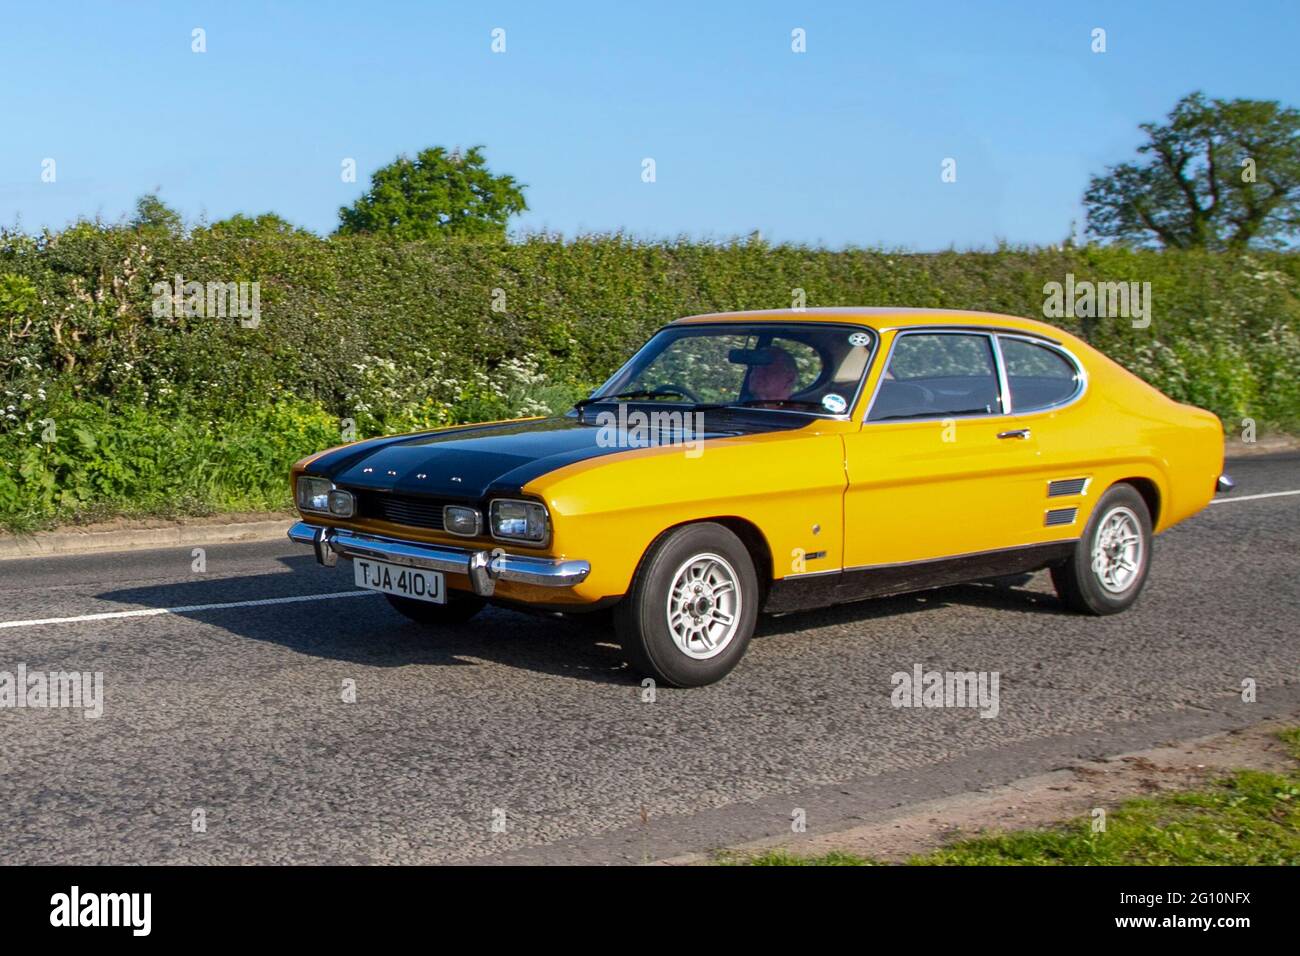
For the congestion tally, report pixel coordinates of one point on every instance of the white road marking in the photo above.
(154, 611)
(1271, 494)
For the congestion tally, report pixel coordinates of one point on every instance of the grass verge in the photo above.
(1247, 818)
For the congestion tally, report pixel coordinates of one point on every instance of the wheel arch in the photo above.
(1150, 493)
(750, 535)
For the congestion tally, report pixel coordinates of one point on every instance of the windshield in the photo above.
(804, 366)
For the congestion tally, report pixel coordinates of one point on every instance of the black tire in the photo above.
(641, 618)
(458, 609)
(1083, 588)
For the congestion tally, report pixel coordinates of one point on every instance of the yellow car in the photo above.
(774, 461)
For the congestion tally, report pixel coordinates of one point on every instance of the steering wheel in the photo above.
(668, 387)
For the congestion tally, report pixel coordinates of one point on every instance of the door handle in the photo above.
(1022, 433)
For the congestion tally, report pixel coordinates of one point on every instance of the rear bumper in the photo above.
(1224, 485)
(483, 568)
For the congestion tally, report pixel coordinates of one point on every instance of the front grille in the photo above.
(1060, 516)
(401, 509)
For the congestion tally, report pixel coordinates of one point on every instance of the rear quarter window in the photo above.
(1037, 375)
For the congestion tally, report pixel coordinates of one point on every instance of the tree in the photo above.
(267, 225)
(1220, 174)
(152, 214)
(435, 194)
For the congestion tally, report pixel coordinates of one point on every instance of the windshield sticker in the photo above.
(834, 403)
(860, 339)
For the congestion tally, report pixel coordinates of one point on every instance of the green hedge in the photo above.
(395, 336)
(93, 461)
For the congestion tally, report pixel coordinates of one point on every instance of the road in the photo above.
(520, 739)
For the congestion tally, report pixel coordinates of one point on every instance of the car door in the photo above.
(1047, 384)
(939, 468)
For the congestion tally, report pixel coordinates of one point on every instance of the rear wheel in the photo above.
(690, 612)
(1109, 565)
(458, 609)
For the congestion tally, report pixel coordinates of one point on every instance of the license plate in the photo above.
(395, 579)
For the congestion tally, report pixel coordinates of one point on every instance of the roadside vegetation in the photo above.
(105, 403)
(1249, 818)
(129, 383)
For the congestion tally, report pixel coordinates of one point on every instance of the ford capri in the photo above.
(776, 461)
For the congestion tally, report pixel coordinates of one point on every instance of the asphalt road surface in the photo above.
(225, 735)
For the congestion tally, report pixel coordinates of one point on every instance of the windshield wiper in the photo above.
(582, 403)
(756, 403)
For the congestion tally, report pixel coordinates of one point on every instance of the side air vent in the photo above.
(1060, 516)
(1064, 487)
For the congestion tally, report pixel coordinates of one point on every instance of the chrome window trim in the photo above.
(846, 416)
(1080, 373)
(986, 329)
(937, 330)
(1004, 386)
(1006, 398)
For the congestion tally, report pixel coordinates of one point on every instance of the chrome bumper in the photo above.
(484, 568)
(1224, 485)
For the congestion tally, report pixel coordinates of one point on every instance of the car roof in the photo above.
(881, 317)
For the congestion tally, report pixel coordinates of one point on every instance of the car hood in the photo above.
(481, 460)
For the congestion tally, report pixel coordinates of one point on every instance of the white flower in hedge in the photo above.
(522, 371)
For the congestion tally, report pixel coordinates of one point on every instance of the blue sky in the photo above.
(841, 145)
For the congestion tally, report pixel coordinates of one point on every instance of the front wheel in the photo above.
(691, 609)
(1109, 565)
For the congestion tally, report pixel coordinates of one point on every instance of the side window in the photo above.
(1037, 375)
(937, 374)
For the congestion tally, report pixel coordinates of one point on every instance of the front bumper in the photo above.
(483, 568)
(1224, 485)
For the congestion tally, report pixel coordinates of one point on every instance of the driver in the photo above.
(775, 378)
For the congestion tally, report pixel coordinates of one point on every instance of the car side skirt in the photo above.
(806, 591)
